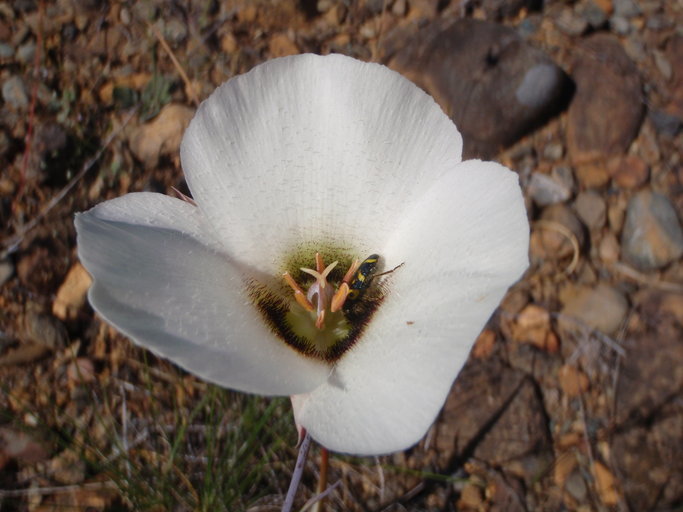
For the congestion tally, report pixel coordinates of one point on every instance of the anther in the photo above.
(351, 271)
(299, 294)
(339, 297)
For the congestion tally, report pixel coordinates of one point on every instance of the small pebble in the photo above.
(553, 151)
(603, 307)
(14, 93)
(609, 248)
(45, 330)
(592, 175)
(590, 206)
(657, 22)
(576, 486)
(528, 27)
(324, 5)
(281, 45)
(616, 212)
(6, 271)
(626, 8)
(570, 23)
(6, 51)
(572, 381)
(374, 7)
(532, 326)
(663, 65)
(652, 237)
(620, 25)
(563, 174)
(628, 172)
(399, 8)
(175, 31)
(545, 190)
(145, 11)
(368, 30)
(124, 16)
(594, 14)
(635, 49)
(26, 52)
(4, 143)
(664, 123)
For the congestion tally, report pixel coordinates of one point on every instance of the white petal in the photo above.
(310, 149)
(463, 245)
(159, 279)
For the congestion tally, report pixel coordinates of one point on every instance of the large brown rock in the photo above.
(495, 414)
(646, 447)
(607, 108)
(494, 85)
(675, 57)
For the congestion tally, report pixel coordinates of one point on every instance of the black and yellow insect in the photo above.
(363, 277)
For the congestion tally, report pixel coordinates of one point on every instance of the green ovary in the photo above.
(302, 324)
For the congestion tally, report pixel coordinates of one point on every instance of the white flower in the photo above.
(311, 154)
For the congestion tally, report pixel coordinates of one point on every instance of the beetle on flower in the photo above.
(300, 169)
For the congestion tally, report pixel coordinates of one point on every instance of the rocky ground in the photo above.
(572, 398)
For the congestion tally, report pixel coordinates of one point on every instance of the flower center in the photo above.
(322, 305)
(329, 313)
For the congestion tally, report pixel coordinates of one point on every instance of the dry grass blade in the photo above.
(653, 281)
(559, 228)
(316, 500)
(181, 71)
(46, 491)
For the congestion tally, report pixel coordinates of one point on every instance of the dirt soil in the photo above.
(572, 397)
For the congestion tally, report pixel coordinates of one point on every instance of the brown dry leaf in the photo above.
(569, 439)
(606, 484)
(532, 326)
(20, 446)
(564, 465)
(552, 343)
(471, 498)
(161, 136)
(80, 371)
(68, 467)
(281, 45)
(24, 353)
(572, 380)
(71, 294)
